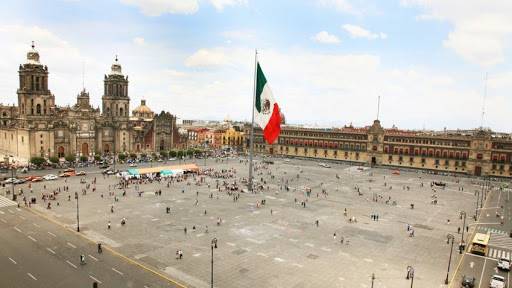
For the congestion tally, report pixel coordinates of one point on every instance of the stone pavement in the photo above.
(285, 248)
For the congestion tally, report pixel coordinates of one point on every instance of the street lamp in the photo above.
(214, 245)
(77, 214)
(410, 274)
(373, 278)
(448, 238)
(461, 247)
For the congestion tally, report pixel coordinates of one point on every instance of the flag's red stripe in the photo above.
(273, 128)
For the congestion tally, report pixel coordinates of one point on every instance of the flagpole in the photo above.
(251, 141)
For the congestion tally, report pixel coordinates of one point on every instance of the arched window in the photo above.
(38, 109)
(121, 112)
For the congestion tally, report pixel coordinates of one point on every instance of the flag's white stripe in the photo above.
(260, 118)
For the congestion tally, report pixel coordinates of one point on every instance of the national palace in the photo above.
(38, 127)
(476, 152)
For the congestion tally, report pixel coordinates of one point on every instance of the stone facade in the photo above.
(37, 127)
(475, 152)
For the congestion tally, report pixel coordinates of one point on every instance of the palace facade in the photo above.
(476, 152)
(38, 127)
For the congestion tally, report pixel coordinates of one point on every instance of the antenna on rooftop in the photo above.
(483, 102)
(378, 107)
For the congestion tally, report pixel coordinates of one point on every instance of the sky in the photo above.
(327, 61)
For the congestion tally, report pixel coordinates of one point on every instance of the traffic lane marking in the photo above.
(52, 234)
(51, 251)
(117, 271)
(12, 260)
(32, 238)
(95, 259)
(17, 229)
(71, 264)
(3, 220)
(92, 277)
(32, 276)
(71, 245)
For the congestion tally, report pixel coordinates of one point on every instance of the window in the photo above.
(479, 156)
(390, 157)
(437, 161)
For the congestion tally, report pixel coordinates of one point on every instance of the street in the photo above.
(500, 244)
(35, 252)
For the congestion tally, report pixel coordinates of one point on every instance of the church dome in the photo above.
(143, 111)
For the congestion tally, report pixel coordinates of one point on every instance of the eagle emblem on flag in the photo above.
(265, 109)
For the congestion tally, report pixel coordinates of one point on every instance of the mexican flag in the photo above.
(266, 110)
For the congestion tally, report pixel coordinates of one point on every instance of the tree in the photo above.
(83, 158)
(133, 156)
(54, 159)
(143, 155)
(70, 158)
(38, 161)
(97, 157)
(153, 155)
(180, 153)
(164, 154)
(173, 153)
(121, 156)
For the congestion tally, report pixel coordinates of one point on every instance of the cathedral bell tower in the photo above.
(116, 103)
(34, 98)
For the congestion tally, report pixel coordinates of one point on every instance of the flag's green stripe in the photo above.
(260, 83)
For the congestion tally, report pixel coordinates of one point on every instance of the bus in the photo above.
(480, 244)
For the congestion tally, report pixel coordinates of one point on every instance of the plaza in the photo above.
(278, 244)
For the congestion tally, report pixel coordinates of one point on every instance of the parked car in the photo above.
(504, 264)
(497, 281)
(81, 173)
(9, 180)
(19, 181)
(67, 174)
(133, 165)
(36, 179)
(69, 170)
(104, 166)
(172, 159)
(50, 177)
(468, 282)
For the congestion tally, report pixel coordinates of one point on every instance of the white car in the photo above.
(9, 180)
(497, 281)
(504, 264)
(172, 159)
(133, 165)
(50, 177)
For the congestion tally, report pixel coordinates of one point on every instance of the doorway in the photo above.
(478, 171)
(374, 161)
(85, 149)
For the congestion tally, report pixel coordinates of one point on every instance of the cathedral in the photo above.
(37, 127)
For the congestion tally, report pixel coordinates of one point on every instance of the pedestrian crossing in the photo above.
(491, 230)
(498, 253)
(501, 240)
(4, 202)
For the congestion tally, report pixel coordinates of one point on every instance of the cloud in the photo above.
(341, 5)
(206, 58)
(359, 32)
(139, 41)
(159, 7)
(220, 4)
(325, 38)
(480, 29)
